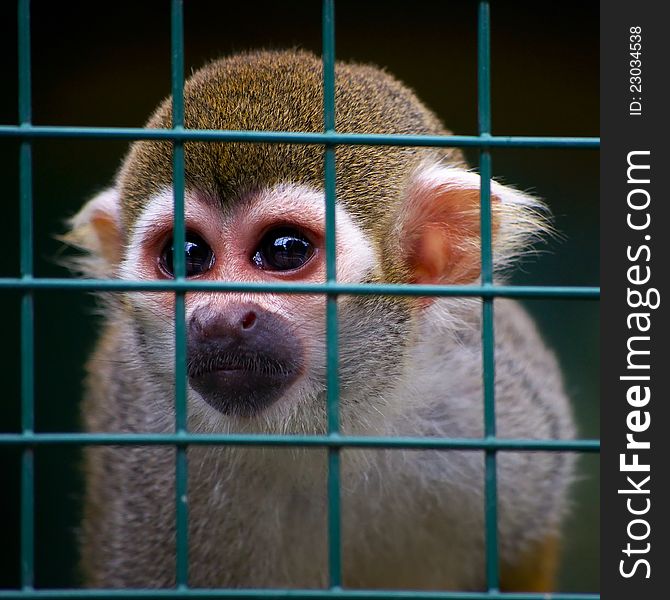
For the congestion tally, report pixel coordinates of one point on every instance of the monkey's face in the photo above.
(252, 354)
(258, 359)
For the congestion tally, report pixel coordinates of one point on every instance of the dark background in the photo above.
(108, 64)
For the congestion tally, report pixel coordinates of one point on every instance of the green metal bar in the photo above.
(328, 33)
(484, 70)
(25, 91)
(288, 137)
(274, 594)
(178, 237)
(502, 291)
(332, 351)
(311, 441)
(488, 333)
(27, 302)
(330, 193)
(488, 374)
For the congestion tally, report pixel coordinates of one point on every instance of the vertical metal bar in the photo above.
(488, 338)
(179, 234)
(333, 392)
(27, 303)
(484, 69)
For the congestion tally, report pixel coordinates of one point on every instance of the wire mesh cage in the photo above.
(28, 286)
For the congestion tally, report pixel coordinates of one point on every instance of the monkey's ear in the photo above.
(438, 227)
(96, 231)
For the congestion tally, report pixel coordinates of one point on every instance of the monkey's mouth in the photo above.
(240, 384)
(253, 363)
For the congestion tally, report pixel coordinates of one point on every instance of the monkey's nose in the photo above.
(233, 323)
(242, 357)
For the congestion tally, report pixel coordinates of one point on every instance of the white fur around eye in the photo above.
(157, 211)
(306, 205)
(355, 254)
(298, 203)
(157, 216)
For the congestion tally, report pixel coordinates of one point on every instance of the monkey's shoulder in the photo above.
(530, 398)
(117, 394)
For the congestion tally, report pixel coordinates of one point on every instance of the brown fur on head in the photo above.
(283, 91)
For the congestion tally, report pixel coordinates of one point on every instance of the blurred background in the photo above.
(107, 63)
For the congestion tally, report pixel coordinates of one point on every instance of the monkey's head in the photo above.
(255, 213)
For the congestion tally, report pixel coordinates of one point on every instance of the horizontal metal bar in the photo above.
(274, 594)
(388, 289)
(333, 440)
(294, 137)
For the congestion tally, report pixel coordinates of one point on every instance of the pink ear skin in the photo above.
(102, 215)
(106, 229)
(96, 230)
(440, 226)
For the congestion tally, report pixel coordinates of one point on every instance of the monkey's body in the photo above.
(411, 519)
(256, 361)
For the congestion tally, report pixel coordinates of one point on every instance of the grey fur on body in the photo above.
(258, 516)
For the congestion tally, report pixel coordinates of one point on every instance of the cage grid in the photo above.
(333, 441)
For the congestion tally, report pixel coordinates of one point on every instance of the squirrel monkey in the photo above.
(256, 361)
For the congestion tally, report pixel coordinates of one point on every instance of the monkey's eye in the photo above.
(198, 256)
(283, 249)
